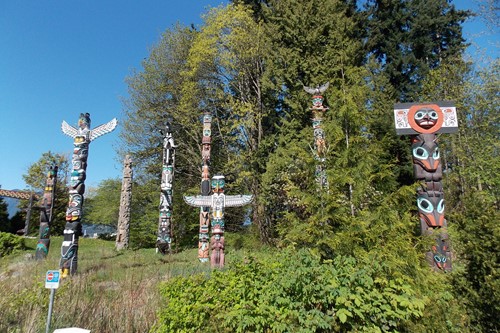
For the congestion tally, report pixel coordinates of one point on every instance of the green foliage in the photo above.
(291, 292)
(102, 204)
(144, 215)
(10, 243)
(36, 178)
(472, 186)
(4, 216)
(409, 38)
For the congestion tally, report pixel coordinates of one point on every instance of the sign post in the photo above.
(52, 279)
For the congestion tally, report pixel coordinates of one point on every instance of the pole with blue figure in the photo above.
(423, 121)
(83, 136)
(46, 210)
(218, 201)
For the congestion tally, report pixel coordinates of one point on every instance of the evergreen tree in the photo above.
(410, 37)
(102, 204)
(155, 93)
(316, 42)
(36, 177)
(472, 185)
(4, 216)
(226, 69)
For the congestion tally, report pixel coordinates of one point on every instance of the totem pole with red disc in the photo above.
(423, 122)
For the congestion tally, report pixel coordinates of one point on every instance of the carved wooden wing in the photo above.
(69, 130)
(238, 200)
(318, 90)
(199, 200)
(103, 129)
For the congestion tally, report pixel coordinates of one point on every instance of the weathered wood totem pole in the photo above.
(46, 208)
(422, 122)
(164, 239)
(206, 142)
(320, 149)
(123, 229)
(82, 136)
(218, 201)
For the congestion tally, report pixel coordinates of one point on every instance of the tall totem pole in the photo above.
(206, 142)
(164, 239)
(82, 136)
(122, 231)
(422, 122)
(46, 209)
(319, 150)
(218, 201)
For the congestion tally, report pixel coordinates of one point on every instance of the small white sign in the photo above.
(71, 330)
(52, 279)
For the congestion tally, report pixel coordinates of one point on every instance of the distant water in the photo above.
(11, 206)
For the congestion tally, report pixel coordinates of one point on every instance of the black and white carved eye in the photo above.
(420, 153)
(433, 114)
(440, 207)
(436, 155)
(420, 114)
(425, 205)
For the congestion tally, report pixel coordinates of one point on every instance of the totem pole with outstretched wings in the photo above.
(82, 136)
(218, 201)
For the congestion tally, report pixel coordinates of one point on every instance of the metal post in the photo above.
(51, 303)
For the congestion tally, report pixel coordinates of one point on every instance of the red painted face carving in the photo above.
(425, 118)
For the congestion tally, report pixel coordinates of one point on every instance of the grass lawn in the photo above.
(112, 291)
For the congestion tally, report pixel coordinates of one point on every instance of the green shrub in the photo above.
(10, 243)
(290, 292)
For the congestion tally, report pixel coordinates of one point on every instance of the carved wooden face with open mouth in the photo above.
(425, 118)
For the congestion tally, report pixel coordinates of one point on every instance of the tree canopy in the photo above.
(247, 65)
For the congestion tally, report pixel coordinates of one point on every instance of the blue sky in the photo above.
(62, 58)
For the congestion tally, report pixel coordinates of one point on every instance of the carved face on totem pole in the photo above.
(73, 214)
(205, 152)
(317, 101)
(84, 121)
(431, 208)
(426, 157)
(316, 122)
(441, 253)
(425, 118)
(218, 184)
(205, 174)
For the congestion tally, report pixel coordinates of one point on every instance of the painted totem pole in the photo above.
(82, 136)
(164, 239)
(42, 247)
(203, 242)
(122, 231)
(218, 201)
(319, 150)
(422, 122)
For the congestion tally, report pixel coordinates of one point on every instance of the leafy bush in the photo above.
(10, 243)
(290, 292)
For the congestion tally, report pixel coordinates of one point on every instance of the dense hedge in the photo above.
(290, 292)
(10, 243)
